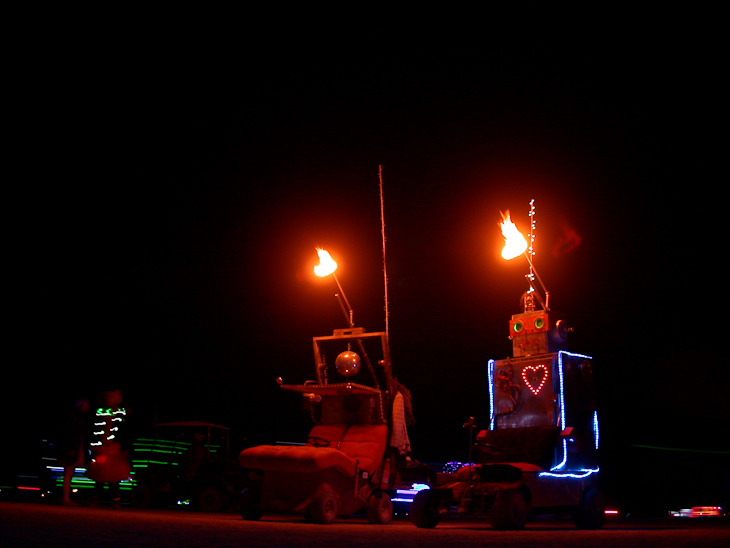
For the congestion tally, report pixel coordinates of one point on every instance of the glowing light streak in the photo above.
(515, 243)
(490, 376)
(579, 474)
(415, 488)
(327, 264)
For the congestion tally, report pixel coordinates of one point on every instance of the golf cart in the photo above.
(354, 457)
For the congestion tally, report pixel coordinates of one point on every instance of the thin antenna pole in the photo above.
(382, 231)
(533, 225)
(530, 254)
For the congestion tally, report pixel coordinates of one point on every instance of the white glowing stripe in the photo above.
(61, 469)
(595, 427)
(415, 488)
(490, 376)
(584, 474)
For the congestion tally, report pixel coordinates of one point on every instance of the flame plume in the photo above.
(515, 243)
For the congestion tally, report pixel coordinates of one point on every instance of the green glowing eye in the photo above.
(540, 323)
(517, 327)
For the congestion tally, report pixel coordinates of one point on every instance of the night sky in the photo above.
(171, 202)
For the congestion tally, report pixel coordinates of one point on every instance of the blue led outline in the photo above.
(490, 377)
(562, 405)
(585, 473)
(562, 412)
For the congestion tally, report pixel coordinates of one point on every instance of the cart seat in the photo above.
(532, 444)
(351, 447)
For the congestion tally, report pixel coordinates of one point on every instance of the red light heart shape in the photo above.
(533, 383)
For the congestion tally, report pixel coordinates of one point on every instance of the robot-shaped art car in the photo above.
(539, 454)
(352, 456)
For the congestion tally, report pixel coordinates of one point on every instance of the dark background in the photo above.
(171, 194)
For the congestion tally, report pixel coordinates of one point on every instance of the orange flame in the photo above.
(515, 243)
(327, 264)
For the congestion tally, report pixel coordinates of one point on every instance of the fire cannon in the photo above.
(539, 452)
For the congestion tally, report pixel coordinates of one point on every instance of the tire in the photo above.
(510, 510)
(591, 514)
(424, 510)
(211, 499)
(248, 505)
(323, 508)
(379, 508)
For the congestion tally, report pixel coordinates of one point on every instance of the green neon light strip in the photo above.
(168, 452)
(124, 485)
(708, 452)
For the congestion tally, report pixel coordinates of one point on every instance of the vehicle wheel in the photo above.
(248, 505)
(424, 510)
(379, 508)
(592, 513)
(211, 499)
(323, 508)
(509, 511)
(140, 496)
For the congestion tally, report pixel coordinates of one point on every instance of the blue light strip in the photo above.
(406, 495)
(561, 404)
(562, 412)
(578, 475)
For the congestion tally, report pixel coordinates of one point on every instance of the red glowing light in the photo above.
(535, 383)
